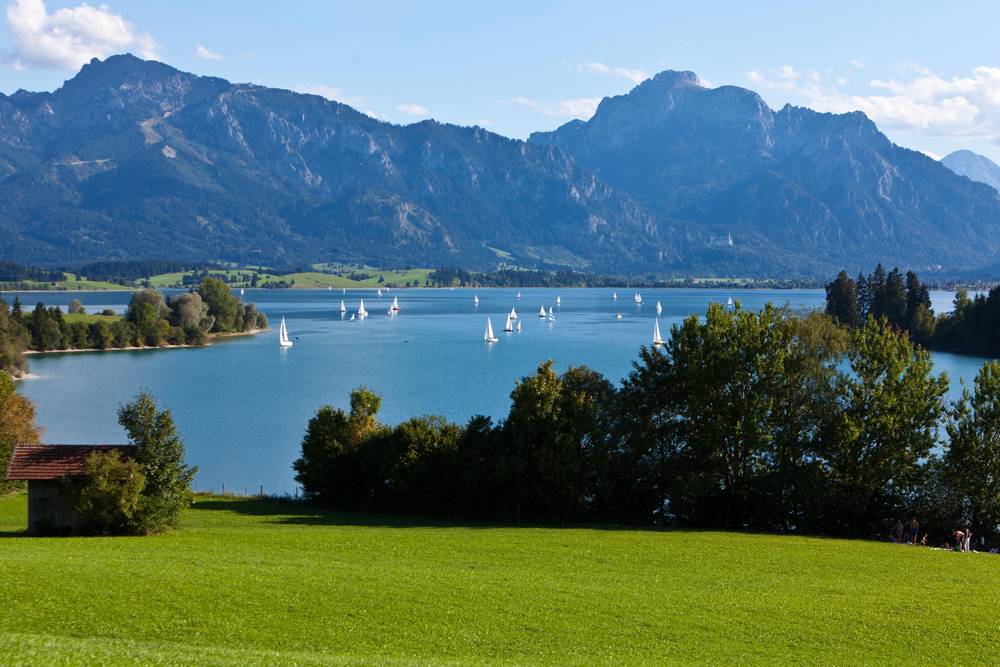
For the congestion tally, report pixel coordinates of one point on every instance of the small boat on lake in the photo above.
(638, 298)
(541, 313)
(242, 292)
(489, 337)
(729, 304)
(614, 296)
(395, 303)
(477, 300)
(518, 326)
(659, 309)
(352, 318)
(509, 326)
(518, 295)
(361, 310)
(283, 335)
(380, 292)
(558, 301)
(657, 338)
(513, 315)
(343, 308)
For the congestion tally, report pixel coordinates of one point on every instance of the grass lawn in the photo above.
(254, 583)
(90, 318)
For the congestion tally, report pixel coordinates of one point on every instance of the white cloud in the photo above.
(68, 38)
(859, 64)
(960, 108)
(932, 155)
(205, 54)
(633, 75)
(582, 108)
(786, 72)
(413, 109)
(332, 94)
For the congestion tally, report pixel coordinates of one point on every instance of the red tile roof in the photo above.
(55, 461)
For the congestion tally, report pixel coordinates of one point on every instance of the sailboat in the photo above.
(730, 302)
(509, 327)
(380, 292)
(242, 292)
(638, 298)
(541, 313)
(395, 303)
(659, 308)
(361, 310)
(489, 337)
(558, 301)
(352, 318)
(391, 313)
(343, 308)
(283, 335)
(345, 291)
(477, 300)
(550, 317)
(657, 338)
(518, 295)
(614, 296)
(518, 326)
(513, 315)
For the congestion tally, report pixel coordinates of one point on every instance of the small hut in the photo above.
(43, 466)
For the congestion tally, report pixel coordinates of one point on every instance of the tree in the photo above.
(222, 304)
(160, 455)
(17, 424)
(188, 308)
(890, 407)
(842, 300)
(972, 458)
(75, 307)
(327, 468)
(917, 295)
(109, 497)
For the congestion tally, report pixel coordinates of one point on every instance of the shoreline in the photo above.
(252, 332)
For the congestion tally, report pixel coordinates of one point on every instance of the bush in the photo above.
(109, 497)
(76, 308)
(109, 312)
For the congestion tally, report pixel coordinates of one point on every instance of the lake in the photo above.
(242, 404)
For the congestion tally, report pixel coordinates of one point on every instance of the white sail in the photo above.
(550, 317)
(730, 302)
(518, 326)
(657, 339)
(614, 296)
(391, 313)
(513, 315)
(242, 292)
(395, 303)
(489, 337)
(477, 300)
(352, 317)
(380, 292)
(638, 298)
(343, 308)
(659, 309)
(283, 335)
(518, 295)
(558, 301)
(541, 313)
(361, 310)
(509, 326)
(345, 291)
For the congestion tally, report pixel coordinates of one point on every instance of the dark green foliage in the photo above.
(127, 272)
(75, 307)
(222, 304)
(14, 338)
(160, 455)
(842, 300)
(108, 498)
(971, 465)
(743, 420)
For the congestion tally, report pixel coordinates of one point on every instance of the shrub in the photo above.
(108, 498)
(109, 312)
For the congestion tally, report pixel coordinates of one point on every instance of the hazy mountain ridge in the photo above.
(973, 166)
(794, 187)
(136, 159)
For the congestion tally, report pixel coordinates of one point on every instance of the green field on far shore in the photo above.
(254, 582)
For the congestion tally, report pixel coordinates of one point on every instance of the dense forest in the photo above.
(150, 320)
(456, 277)
(973, 325)
(125, 273)
(774, 421)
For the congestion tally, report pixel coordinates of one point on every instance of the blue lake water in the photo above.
(242, 404)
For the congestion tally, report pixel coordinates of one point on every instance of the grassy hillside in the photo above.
(307, 279)
(251, 582)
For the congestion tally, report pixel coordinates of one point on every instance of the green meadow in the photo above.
(310, 279)
(256, 582)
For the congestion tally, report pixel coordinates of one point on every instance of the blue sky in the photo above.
(927, 73)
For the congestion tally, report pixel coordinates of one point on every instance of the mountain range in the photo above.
(974, 166)
(135, 159)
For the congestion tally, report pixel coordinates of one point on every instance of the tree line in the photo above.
(772, 421)
(150, 320)
(973, 325)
